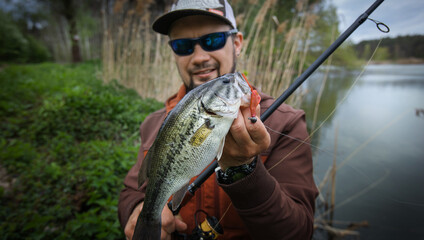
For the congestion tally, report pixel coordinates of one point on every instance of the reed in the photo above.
(271, 64)
(138, 58)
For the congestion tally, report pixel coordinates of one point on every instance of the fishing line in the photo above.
(326, 119)
(315, 130)
(354, 152)
(225, 213)
(407, 202)
(358, 194)
(382, 130)
(335, 108)
(299, 140)
(304, 76)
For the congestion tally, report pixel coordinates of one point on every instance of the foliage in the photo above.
(18, 47)
(13, 45)
(37, 51)
(66, 143)
(325, 33)
(382, 54)
(410, 46)
(68, 27)
(401, 47)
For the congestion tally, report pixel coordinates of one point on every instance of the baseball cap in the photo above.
(182, 8)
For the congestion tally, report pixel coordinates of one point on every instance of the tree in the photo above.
(68, 9)
(400, 47)
(57, 23)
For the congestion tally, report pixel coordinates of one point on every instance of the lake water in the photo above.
(380, 149)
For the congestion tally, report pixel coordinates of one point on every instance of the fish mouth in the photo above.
(207, 111)
(228, 102)
(220, 113)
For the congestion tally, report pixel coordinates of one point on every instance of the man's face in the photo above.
(202, 66)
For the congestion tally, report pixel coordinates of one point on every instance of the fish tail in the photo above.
(147, 230)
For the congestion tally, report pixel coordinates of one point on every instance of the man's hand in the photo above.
(245, 140)
(170, 223)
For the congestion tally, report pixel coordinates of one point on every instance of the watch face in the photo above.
(233, 174)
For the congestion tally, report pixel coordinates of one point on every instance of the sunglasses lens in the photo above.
(182, 46)
(213, 41)
(210, 42)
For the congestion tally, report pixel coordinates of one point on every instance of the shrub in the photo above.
(66, 143)
(37, 52)
(13, 45)
(18, 47)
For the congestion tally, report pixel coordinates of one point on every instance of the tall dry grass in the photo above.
(270, 65)
(138, 58)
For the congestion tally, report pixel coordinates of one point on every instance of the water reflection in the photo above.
(379, 154)
(398, 75)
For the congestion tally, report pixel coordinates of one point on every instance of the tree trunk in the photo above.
(70, 15)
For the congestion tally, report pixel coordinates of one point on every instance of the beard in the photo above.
(216, 66)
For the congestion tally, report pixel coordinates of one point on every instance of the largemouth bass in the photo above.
(191, 136)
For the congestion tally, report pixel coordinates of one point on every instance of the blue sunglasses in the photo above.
(209, 42)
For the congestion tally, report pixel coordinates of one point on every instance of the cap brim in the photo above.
(163, 24)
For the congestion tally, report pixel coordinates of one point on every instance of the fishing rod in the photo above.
(289, 91)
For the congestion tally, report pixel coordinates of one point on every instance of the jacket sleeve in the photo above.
(277, 200)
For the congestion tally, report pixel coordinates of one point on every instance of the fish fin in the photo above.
(220, 149)
(178, 197)
(147, 230)
(145, 166)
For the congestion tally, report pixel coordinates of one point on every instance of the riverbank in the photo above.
(401, 61)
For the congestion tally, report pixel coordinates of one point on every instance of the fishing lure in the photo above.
(255, 99)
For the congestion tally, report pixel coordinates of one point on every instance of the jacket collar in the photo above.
(174, 99)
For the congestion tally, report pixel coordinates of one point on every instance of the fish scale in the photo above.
(191, 136)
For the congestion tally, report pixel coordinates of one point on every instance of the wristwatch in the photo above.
(233, 174)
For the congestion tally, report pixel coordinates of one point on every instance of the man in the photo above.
(274, 198)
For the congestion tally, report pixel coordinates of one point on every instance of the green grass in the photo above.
(66, 143)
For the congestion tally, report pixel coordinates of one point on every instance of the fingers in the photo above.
(247, 134)
(245, 140)
(239, 132)
(171, 223)
(164, 235)
(168, 220)
(132, 221)
(180, 225)
(256, 130)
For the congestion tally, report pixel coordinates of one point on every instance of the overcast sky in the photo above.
(404, 17)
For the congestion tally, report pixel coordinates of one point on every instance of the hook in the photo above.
(381, 26)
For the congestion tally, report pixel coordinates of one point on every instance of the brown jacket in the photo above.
(276, 201)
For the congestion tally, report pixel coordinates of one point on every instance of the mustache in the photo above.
(200, 67)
